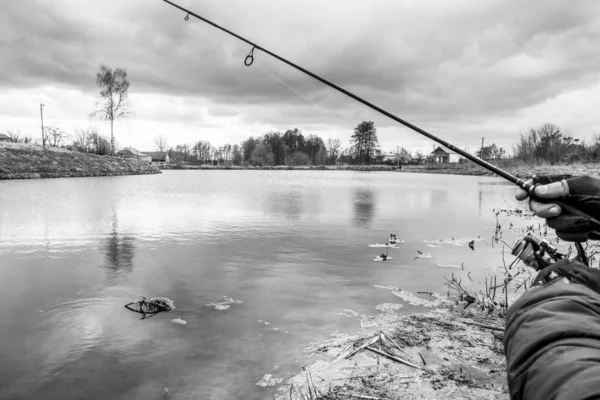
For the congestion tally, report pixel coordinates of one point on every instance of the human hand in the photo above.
(572, 195)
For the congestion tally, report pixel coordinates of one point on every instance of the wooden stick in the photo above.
(365, 397)
(395, 344)
(494, 328)
(422, 359)
(393, 358)
(365, 345)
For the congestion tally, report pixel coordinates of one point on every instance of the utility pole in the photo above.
(481, 151)
(42, 117)
(433, 156)
(398, 155)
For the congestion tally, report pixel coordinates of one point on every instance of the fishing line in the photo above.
(280, 80)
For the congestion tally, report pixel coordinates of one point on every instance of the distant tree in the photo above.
(262, 155)
(248, 147)
(294, 140)
(364, 141)
(114, 102)
(333, 148)
(491, 152)
(419, 157)
(236, 155)
(14, 137)
(278, 146)
(55, 136)
(161, 143)
(315, 148)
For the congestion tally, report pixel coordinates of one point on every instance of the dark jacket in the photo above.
(552, 343)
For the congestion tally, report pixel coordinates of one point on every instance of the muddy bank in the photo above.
(19, 161)
(524, 171)
(446, 353)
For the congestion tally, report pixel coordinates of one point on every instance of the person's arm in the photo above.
(552, 336)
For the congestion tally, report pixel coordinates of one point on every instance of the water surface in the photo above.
(292, 245)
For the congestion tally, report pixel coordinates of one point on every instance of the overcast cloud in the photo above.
(461, 69)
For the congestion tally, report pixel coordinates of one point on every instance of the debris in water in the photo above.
(178, 321)
(268, 380)
(420, 254)
(263, 322)
(387, 287)
(382, 257)
(151, 307)
(456, 242)
(448, 266)
(389, 307)
(224, 305)
(432, 245)
(346, 312)
(472, 244)
(391, 246)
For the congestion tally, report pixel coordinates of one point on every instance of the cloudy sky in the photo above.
(461, 69)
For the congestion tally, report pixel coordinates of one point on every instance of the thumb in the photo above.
(553, 190)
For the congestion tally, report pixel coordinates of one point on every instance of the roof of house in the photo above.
(157, 155)
(444, 149)
(132, 151)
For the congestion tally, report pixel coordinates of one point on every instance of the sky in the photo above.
(462, 70)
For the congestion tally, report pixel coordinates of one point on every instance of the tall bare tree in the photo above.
(161, 143)
(55, 136)
(114, 102)
(333, 148)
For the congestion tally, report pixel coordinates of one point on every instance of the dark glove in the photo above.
(574, 271)
(581, 193)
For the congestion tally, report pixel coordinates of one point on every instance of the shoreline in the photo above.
(447, 352)
(523, 171)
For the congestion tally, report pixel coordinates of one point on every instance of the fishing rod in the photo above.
(526, 185)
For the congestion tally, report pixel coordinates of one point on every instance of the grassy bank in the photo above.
(517, 168)
(26, 161)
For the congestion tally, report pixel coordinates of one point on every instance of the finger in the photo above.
(544, 210)
(522, 194)
(553, 190)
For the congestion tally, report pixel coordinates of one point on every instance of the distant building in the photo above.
(158, 157)
(443, 155)
(130, 152)
(4, 138)
(392, 158)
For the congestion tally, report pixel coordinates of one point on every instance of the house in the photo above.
(443, 155)
(130, 152)
(158, 157)
(4, 138)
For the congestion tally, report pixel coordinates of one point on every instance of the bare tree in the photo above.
(114, 102)
(55, 136)
(161, 143)
(333, 148)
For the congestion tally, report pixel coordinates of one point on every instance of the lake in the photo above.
(292, 245)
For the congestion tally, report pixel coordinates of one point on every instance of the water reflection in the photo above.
(119, 251)
(288, 203)
(364, 207)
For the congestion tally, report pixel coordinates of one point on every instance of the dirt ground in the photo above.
(441, 354)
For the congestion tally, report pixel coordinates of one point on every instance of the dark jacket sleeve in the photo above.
(552, 343)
